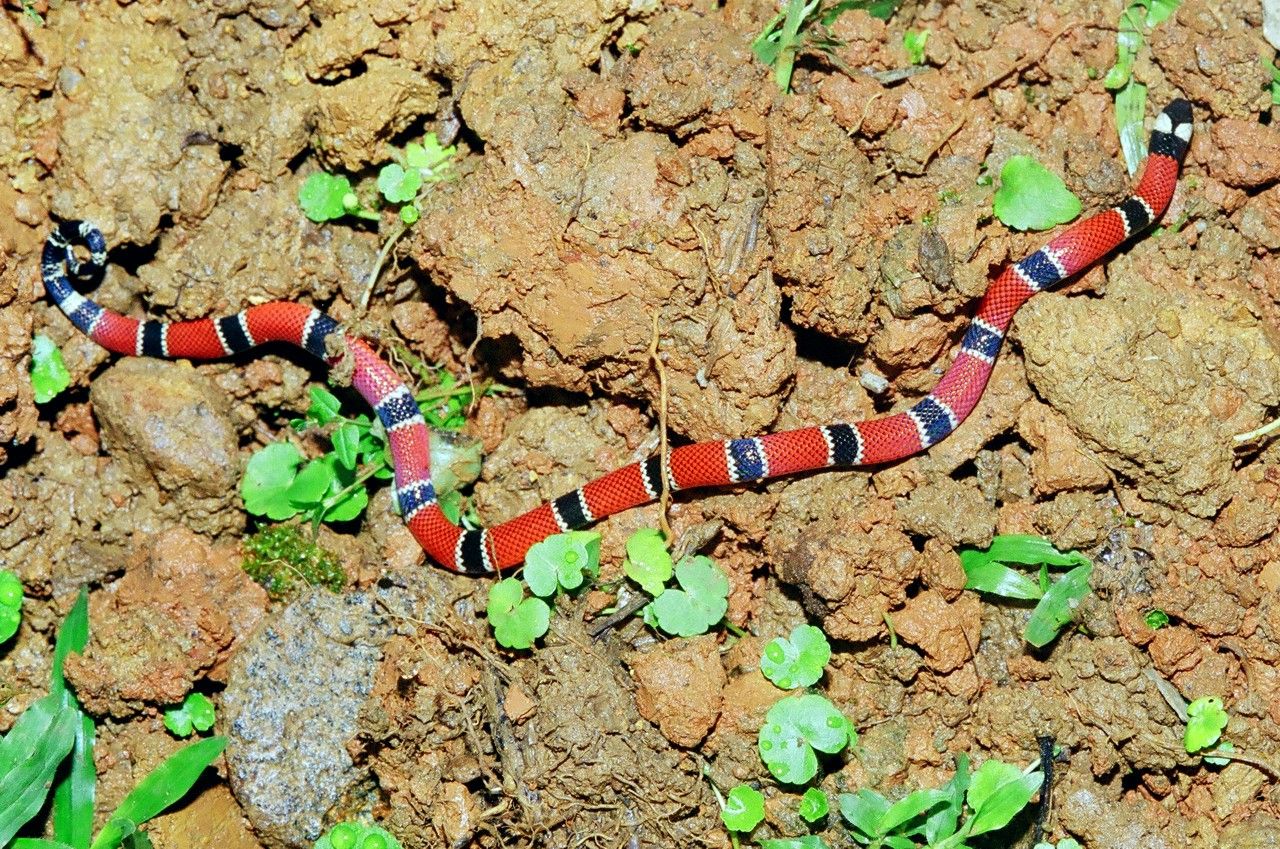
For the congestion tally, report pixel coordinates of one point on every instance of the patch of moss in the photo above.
(284, 559)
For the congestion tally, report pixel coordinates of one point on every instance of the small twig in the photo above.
(400, 230)
(1257, 763)
(664, 499)
(1257, 433)
(622, 614)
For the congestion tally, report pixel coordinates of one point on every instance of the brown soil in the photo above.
(621, 161)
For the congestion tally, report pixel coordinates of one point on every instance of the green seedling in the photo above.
(1206, 720)
(1131, 96)
(798, 661)
(279, 485)
(743, 809)
(943, 818)
(517, 621)
(697, 606)
(325, 197)
(914, 43)
(1056, 601)
(562, 561)
(194, 714)
(801, 25)
(10, 604)
(29, 11)
(353, 835)
(284, 559)
(807, 841)
(1031, 197)
(55, 727)
(49, 375)
(797, 727)
(1156, 619)
(1064, 843)
(648, 562)
(1275, 81)
(814, 805)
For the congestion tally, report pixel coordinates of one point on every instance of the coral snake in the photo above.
(864, 443)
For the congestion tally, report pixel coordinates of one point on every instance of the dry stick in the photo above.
(664, 498)
(377, 266)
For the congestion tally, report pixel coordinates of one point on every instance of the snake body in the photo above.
(705, 464)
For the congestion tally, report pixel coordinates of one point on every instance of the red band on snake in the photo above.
(864, 443)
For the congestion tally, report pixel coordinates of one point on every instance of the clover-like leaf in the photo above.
(323, 196)
(648, 562)
(196, 713)
(743, 808)
(517, 621)
(1031, 197)
(1206, 720)
(798, 661)
(814, 805)
(267, 478)
(698, 605)
(794, 728)
(562, 560)
(398, 185)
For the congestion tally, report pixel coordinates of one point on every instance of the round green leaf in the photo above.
(562, 560)
(648, 562)
(10, 590)
(814, 805)
(321, 196)
(798, 661)
(698, 605)
(1206, 720)
(267, 479)
(398, 185)
(1031, 197)
(743, 808)
(10, 618)
(517, 621)
(794, 728)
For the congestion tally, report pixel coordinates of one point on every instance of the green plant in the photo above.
(802, 24)
(1206, 720)
(648, 562)
(699, 603)
(49, 374)
(562, 561)
(10, 604)
(1056, 601)
(353, 835)
(743, 809)
(798, 661)
(1064, 843)
(325, 197)
(1131, 95)
(797, 727)
(279, 485)
(1156, 619)
(943, 818)
(814, 805)
(807, 841)
(516, 620)
(54, 727)
(194, 714)
(1275, 81)
(29, 11)
(1031, 197)
(914, 43)
(283, 559)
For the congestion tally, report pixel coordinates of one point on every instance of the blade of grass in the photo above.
(162, 787)
(73, 796)
(29, 757)
(72, 637)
